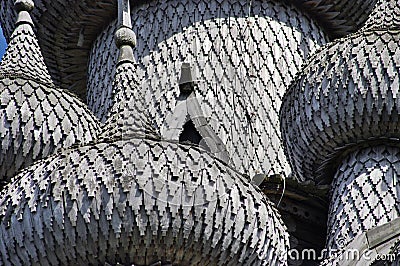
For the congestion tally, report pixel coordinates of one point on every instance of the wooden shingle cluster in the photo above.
(347, 94)
(137, 201)
(190, 106)
(128, 199)
(373, 199)
(242, 60)
(340, 122)
(129, 115)
(66, 37)
(338, 17)
(37, 118)
(385, 15)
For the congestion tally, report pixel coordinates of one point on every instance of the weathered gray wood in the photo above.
(34, 124)
(340, 121)
(147, 222)
(224, 50)
(347, 94)
(127, 199)
(364, 194)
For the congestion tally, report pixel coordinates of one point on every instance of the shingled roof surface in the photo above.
(66, 37)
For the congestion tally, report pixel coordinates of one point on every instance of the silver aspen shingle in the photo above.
(340, 123)
(129, 199)
(206, 132)
(137, 201)
(242, 62)
(37, 118)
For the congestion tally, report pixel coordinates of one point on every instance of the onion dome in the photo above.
(67, 36)
(338, 17)
(137, 201)
(213, 77)
(347, 96)
(129, 116)
(364, 196)
(37, 119)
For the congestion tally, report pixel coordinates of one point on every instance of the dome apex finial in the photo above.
(125, 36)
(24, 5)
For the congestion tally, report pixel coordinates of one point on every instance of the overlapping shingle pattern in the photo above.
(67, 36)
(340, 120)
(347, 93)
(24, 56)
(243, 65)
(37, 119)
(128, 116)
(338, 17)
(136, 201)
(365, 193)
(385, 15)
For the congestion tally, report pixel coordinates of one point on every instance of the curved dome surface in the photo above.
(37, 119)
(67, 36)
(240, 68)
(137, 202)
(373, 190)
(347, 94)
